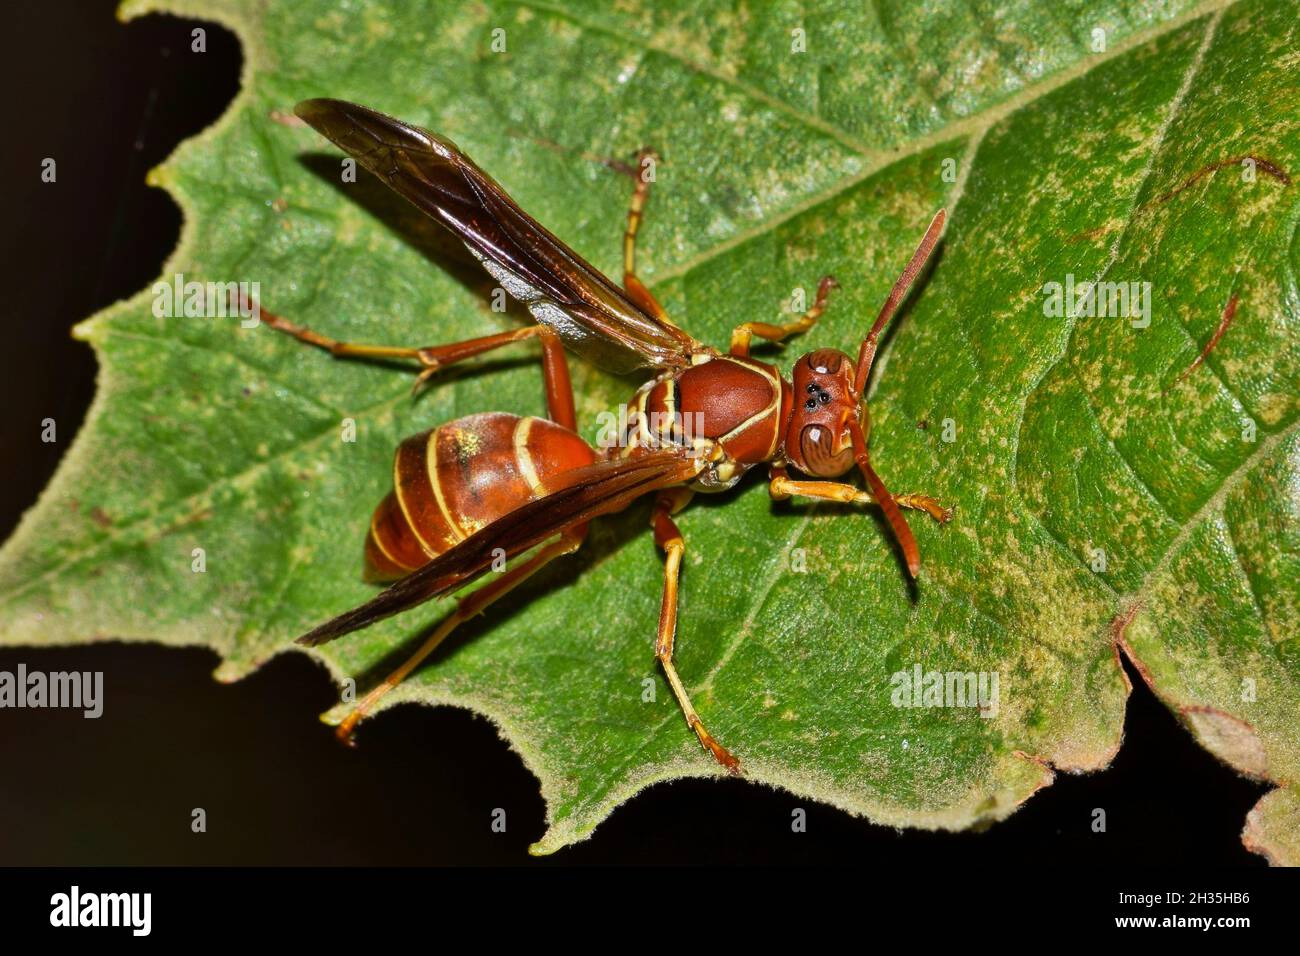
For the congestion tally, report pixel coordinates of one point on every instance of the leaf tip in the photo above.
(88, 330)
(160, 177)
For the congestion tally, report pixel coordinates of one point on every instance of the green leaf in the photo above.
(1074, 436)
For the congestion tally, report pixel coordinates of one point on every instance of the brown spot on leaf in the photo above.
(1229, 312)
(287, 119)
(1091, 235)
(1034, 758)
(1263, 165)
(1118, 643)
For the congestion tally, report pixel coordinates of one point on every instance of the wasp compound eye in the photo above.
(821, 454)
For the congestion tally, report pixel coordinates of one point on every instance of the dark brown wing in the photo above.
(558, 286)
(598, 489)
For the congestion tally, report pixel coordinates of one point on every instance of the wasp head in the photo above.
(818, 440)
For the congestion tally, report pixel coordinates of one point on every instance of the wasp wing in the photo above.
(561, 289)
(598, 489)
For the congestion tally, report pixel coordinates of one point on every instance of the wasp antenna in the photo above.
(867, 354)
(893, 514)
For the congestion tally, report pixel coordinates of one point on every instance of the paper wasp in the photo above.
(493, 485)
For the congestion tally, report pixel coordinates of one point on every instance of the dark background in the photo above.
(109, 101)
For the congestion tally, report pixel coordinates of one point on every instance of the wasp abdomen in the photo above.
(451, 481)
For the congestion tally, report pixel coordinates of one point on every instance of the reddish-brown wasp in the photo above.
(493, 486)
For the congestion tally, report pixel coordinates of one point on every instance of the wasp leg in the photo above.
(668, 537)
(780, 487)
(466, 608)
(637, 290)
(555, 379)
(743, 334)
(434, 357)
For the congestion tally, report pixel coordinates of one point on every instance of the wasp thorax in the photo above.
(823, 401)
